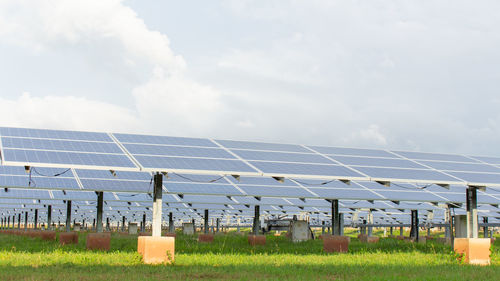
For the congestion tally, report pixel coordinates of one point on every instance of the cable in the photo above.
(192, 180)
(313, 184)
(55, 175)
(416, 187)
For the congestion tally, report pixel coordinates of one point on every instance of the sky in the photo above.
(403, 75)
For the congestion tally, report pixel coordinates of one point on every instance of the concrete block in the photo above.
(335, 244)
(444, 240)
(68, 238)
(156, 250)
(77, 227)
(132, 228)
(473, 250)
(98, 241)
(48, 235)
(170, 235)
(300, 231)
(206, 238)
(372, 239)
(188, 228)
(256, 239)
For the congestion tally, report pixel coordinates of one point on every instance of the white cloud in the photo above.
(71, 113)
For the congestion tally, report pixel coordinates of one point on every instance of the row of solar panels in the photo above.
(92, 150)
(83, 210)
(140, 182)
(17, 198)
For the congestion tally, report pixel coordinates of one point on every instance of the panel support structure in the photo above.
(205, 222)
(36, 219)
(25, 221)
(335, 217)
(157, 205)
(49, 217)
(143, 227)
(485, 227)
(471, 201)
(68, 216)
(171, 227)
(414, 224)
(256, 220)
(19, 221)
(100, 203)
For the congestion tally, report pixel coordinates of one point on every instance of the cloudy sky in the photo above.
(413, 75)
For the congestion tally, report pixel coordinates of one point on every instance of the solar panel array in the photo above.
(231, 176)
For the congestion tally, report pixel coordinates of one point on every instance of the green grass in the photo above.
(230, 257)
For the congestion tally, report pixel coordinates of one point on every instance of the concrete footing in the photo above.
(368, 239)
(48, 235)
(156, 250)
(473, 250)
(68, 238)
(335, 244)
(188, 228)
(206, 238)
(98, 241)
(256, 239)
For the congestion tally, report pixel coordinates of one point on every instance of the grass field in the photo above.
(230, 257)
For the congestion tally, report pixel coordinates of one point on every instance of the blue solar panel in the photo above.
(282, 156)
(261, 181)
(304, 169)
(377, 162)
(38, 182)
(477, 177)
(345, 193)
(207, 199)
(25, 193)
(256, 190)
(60, 145)
(119, 175)
(54, 134)
(116, 185)
(162, 150)
(146, 139)
(489, 160)
(180, 163)
(262, 146)
(410, 174)
(67, 158)
(352, 151)
(200, 188)
(468, 167)
(435, 156)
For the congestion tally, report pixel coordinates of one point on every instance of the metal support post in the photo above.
(256, 220)
(414, 224)
(157, 204)
(68, 216)
(205, 224)
(335, 217)
(100, 206)
(471, 200)
(171, 226)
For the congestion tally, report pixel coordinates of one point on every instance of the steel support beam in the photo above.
(256, 220)
(205, 222)
(100, 206)
(25, 221)
(36, 219)
(143, 223)
(123, 223)
(68, 216)
(335, 217)
(171, 226)
(157, 204)
(49, 217)
(414, 224)
(485, 228)
(471, 201)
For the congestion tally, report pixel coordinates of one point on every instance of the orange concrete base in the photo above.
(335, 244)
(48, 235)
(98, 241)
(368, 239)
(68, 238)
(473, 250)
(206, 238)
(256, 239)
(156, 250)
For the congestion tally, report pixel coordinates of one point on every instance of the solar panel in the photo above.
(61, 148)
